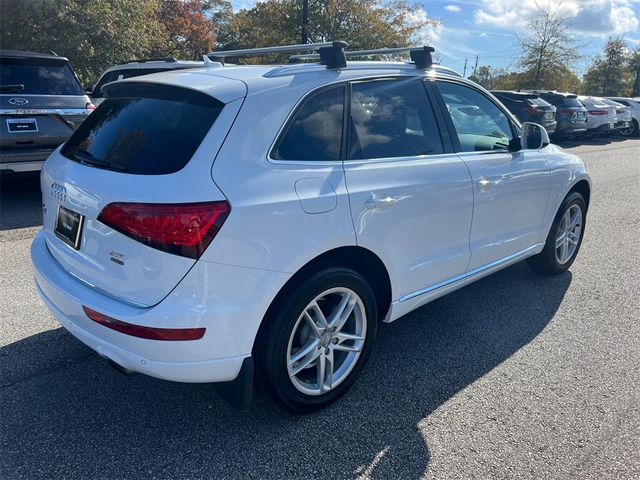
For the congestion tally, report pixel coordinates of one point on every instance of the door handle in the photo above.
(386, 202)
(485, 183)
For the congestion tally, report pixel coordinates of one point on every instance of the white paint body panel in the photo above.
(283, 215)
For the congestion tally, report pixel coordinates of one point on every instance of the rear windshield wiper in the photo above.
(17, 87)
(88, 159)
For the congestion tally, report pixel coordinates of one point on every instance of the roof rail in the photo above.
(421, 56)
(145, 60)
(330, 54)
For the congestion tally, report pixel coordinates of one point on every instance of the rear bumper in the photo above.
(24, 160)
(218, 356)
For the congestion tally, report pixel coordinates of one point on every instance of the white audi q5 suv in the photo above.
(239, 222)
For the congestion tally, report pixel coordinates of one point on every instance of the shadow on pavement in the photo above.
(81, 419)
(20, 201)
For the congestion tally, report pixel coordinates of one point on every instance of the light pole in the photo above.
(305, 20)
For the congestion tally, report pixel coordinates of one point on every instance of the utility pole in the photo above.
(475, 66)
(636, 85)
(305, 20)
(464, 73)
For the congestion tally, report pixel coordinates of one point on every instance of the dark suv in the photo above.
(529, 107)
(571, 116)
(41, 104)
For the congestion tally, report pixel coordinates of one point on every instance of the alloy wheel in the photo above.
(326, 341)
(568, 236)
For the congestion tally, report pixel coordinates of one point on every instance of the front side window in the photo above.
(479, 123)
(392, 118)
(315, 131)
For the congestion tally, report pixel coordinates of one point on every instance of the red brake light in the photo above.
(139, 331)
(533, 110)
(598, 112)
(182, 229)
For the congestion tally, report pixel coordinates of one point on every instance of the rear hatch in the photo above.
(542, 109)
(129, 201)
(41, 103)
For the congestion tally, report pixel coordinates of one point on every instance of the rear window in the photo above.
(144, 129)
(538, 102)
(38, 76)
(562, 101)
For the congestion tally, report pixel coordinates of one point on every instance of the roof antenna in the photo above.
(210, 63)
(422, 57)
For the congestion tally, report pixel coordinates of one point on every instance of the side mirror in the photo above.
(534, 136)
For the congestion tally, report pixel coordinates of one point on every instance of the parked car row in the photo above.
(567, 115)
(42, 103)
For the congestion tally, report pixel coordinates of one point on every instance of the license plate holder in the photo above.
(69, 227)
(21, 125)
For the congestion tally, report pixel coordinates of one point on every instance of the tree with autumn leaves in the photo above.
(95, 34)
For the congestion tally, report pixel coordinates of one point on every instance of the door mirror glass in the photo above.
(534, 136)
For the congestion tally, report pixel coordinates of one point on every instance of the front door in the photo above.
(510, 188)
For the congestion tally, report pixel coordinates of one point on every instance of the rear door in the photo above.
(145, 151)
(510, 188)
(411, 196)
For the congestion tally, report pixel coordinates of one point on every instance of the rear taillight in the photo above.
(182, 229)
(597, 112)
(89, 107)
(533, 111)
(150, 333)
(566, 111)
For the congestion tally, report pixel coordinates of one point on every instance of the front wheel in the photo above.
(315, 343)
(564, 239)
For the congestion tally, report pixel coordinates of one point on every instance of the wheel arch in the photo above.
(360, 259)
(584, 189)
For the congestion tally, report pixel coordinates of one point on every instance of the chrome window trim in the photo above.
(43, 111)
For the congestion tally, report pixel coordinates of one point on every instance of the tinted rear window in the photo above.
(538, 102)
(39, 76)
(144, 129)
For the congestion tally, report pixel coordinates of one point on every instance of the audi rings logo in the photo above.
(58, 192)
(18, 101)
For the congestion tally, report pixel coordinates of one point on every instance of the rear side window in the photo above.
(315, 131)
(144, 129)
(38, 76)
(392, 118)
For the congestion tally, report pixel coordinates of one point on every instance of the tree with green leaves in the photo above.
(362, 23)
(611, 73)
(548, 48)
(93, 34)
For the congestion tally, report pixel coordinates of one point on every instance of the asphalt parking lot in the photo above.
(517, 375)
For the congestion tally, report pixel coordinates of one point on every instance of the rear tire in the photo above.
(565, 237)
(632, 131)
(317, 339)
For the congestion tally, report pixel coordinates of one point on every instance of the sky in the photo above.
(490, 28)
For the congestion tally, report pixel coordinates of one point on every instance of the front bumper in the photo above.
(231, 321)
